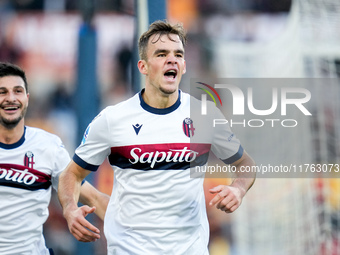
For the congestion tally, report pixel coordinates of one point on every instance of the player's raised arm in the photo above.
(69, 190)
(229, 197)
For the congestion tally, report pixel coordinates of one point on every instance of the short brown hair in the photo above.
(8, 69)
(162, 28)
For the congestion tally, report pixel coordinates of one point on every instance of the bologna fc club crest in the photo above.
(188, 127)
(29, 159)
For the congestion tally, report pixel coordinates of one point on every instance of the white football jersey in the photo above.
(28, 170)
(156, 207)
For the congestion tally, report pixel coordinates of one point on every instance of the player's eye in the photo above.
(19, 91)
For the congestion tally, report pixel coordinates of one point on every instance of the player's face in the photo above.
(165, 63)
(13, 101)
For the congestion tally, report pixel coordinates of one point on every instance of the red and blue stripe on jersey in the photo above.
(168, 156)
(23, 177)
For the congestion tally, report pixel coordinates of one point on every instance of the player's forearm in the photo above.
(69, 190)
(101, 204)
(92, 197)
(244, 180)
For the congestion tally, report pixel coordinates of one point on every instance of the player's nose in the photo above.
(10, 96)
(171, 59)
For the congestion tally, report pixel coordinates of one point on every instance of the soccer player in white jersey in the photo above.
(31, 161)
(155, 206)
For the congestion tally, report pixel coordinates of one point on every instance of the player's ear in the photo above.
(142, 67)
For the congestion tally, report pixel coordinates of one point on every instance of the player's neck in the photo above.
(11, 136)
(159, 100)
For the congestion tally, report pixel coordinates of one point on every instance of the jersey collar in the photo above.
(14, 145)
(163, 111)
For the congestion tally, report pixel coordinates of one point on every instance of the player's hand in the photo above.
(227, 198)
(79, 227)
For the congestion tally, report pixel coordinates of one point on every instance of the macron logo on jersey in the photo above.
(159, 156)
(137, 128)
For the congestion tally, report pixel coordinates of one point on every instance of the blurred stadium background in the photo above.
(227, 38)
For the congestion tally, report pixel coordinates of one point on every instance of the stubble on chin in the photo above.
(12, 123)
(169, 91)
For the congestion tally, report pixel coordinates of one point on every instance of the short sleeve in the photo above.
(61, 159)
(225, 144)
(94, 147)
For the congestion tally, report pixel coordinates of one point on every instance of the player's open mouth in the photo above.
(171, 74)
(10, 108)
